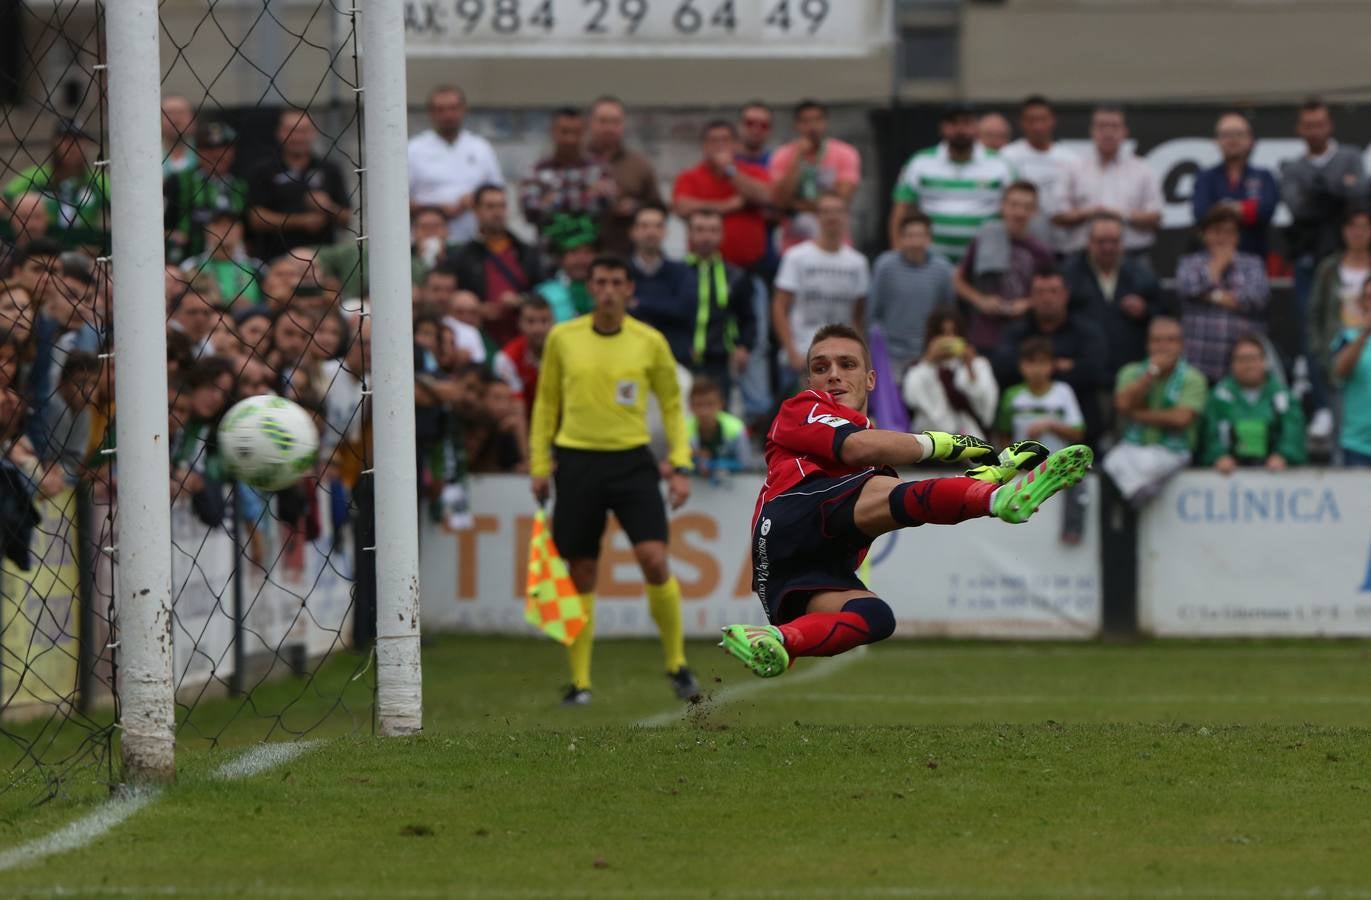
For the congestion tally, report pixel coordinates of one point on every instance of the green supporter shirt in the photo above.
(958, 197)
(237, 278)
(1252, 425)
(76, 205)
(1185, 387)
(192, 199)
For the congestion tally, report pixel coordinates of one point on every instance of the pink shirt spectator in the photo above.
(838, 163)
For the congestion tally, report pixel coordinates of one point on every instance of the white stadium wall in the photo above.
(1257, 555)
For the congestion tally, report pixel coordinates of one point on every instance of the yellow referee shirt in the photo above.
(592, 392)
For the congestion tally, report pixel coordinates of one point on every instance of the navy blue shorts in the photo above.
(806, 541)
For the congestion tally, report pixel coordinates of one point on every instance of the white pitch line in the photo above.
(75, 835)
(813, 672)
(1037, 699)
(261, 758)
(91, 827)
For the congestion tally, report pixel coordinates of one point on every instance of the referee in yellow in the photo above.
(591, 412)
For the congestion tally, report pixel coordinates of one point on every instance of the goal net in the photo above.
(265, 291)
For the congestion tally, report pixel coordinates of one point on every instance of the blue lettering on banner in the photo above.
(1366, 585)
(1240, 504)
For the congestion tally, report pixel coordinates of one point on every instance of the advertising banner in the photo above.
(1255, 554)
(983, 578)
(727, 28)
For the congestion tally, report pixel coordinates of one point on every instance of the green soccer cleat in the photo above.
(1017, 457)
(1015, 503)
(760, 647)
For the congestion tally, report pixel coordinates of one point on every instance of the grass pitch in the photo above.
(917, 770)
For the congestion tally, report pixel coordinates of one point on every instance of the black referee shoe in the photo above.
(684, 684)
(576, 696)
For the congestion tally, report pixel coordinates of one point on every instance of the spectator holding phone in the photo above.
(953, 387)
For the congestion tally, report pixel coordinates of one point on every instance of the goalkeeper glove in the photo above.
(957, 447)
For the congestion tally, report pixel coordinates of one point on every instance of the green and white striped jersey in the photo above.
(958, 197)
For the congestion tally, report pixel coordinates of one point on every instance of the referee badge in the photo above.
(626, 393)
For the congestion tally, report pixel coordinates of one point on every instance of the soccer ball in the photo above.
(268, 442)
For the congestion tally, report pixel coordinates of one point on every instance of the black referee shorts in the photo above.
(591, 483)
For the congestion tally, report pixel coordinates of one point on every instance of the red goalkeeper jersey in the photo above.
(805, 439)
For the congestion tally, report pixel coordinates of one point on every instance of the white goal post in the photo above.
(399, 706)
(144, 590)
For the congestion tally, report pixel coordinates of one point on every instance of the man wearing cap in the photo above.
(75, 192)
(957, 184)
(194, 196)
(572, 240)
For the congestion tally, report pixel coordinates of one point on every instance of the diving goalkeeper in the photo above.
(831, 490)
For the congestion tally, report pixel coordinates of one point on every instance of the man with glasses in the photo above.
(754, 130)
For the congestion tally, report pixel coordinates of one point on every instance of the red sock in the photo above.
(825, 634)
(940, 501)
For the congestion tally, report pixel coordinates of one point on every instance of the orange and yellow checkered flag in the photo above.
(553, 606)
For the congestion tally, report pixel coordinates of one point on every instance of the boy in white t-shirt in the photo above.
(1043, 409)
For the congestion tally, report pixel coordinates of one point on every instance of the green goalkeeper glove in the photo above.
(958, 447)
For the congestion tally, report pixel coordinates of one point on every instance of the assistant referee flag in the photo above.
(552, 605)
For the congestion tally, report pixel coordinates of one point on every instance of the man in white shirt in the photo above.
(1111, 181)
(1036, 157)
(447, 164)
(822, 281)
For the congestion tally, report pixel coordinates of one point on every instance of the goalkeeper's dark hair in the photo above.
(844, 331)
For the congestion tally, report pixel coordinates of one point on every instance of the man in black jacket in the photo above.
(1116, 293)
(1078, 346)
(496, 266)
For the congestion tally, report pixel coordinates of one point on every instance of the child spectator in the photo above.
(69, 415)
(953, 387)
(1352, 369)
(1252, 420)
(497, 440)
(1040, 408)
(518, 362)
(298, 373)
(197, 469)
(227, 263)
(251, 327)
(718, 439)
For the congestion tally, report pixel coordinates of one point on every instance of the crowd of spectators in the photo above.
(1017, 294)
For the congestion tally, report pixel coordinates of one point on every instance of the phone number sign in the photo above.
(646, 27)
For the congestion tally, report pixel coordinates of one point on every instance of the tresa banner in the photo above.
(978, 579)
(1257, 555)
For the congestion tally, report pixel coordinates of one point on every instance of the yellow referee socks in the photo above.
(578, 654)
(664, 601)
